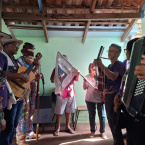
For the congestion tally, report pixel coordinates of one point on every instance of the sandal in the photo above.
(56, 133)
(70, 131)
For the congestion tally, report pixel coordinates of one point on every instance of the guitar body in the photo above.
(19, 87)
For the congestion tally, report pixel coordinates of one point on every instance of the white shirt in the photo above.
(91, 94)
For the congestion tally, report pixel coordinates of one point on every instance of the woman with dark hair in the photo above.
(93, 97)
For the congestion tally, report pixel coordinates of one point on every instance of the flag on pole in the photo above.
(64, 73)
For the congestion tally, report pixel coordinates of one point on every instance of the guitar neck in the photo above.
(29, 68)
(100, 52)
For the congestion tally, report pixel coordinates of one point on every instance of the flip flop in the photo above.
(56, 133)
(70, 131)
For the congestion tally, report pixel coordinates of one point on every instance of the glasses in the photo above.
(17, 45)
(111, 51)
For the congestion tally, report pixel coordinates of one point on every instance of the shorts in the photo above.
(65, 104)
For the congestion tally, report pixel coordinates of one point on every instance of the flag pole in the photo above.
(76, 69)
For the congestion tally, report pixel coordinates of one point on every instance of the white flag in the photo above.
(64, 73)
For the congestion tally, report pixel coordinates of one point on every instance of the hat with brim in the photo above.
(4, 35)
(13, 39)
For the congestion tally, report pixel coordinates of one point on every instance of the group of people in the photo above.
(20, 117)
(108, 99)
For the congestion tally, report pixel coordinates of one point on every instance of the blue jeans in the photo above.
(92, 113)
(12, 118)
(112, 119)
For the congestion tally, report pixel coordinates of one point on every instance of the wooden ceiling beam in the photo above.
(69, 17)
(62, 29)
(142, 5)
(74, 8)
(68, 22)
(128, 29)
(45, 30)
(86, 31)
(93, 6)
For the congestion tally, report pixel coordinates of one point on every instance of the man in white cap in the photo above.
(10, 48)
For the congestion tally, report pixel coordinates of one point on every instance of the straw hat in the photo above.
(4, 35)
(13, 39)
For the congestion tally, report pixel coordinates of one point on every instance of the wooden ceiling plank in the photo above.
(12, 3)
(86, 31)
(76, 8)
(129, 3)
(116, 10)
(93, 6)
(109, 3)
(128, 29)
(70, 17)
(45, 30)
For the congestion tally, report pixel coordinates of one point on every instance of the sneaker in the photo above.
(23, 143)
(92, 134)
(103, 135)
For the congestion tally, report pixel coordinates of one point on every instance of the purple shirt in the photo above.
(113, 86)
(3, 88)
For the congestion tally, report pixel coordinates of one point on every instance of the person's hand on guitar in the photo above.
(140, 69)
(37, 63)
(38, 76)
(2, 123)
(24, 77)
(98, 62)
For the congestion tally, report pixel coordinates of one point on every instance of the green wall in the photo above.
(80, 55)
(143, 26)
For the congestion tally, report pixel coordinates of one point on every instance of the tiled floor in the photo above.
(81, 137)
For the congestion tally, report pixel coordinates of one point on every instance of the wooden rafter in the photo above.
(62, 29)
(71, 22)
(109, 3)
(75, 8)
(69, 17)
(86, 31)
(11, 2)
(99, 3)
(93, 6)
(142, 5)
(45, 30)
(128, 29)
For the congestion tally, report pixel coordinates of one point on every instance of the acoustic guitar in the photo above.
(19, 87)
